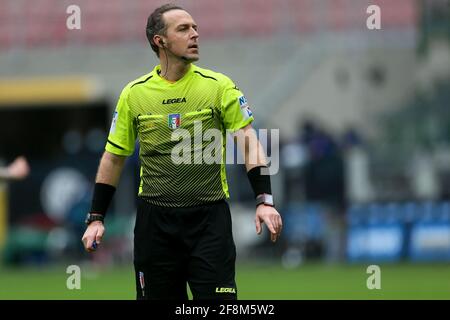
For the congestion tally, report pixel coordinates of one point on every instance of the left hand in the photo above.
(270, 216)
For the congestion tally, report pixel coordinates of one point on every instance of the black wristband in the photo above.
(102, 197)
(260, 183)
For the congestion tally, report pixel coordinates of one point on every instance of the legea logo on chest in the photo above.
(175, 100)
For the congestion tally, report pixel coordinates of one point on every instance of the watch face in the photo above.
(95, 217)
(90, 218)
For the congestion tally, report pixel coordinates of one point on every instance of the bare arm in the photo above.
(108, 172)
(251, 148)
(110, 169)
(254, 156)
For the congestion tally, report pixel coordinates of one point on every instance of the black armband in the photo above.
(102, 197)
(260, 183)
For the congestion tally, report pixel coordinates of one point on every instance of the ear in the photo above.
(158, 40)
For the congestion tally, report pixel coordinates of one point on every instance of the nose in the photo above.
(194, 33)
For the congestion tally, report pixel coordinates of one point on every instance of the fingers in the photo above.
(87, 242)
(99, 236)
(274, 226)
(272, 219)
(258, 226)
(273, 233)
(273, 237)
(270, 226)
(278, 224)
(91, 239)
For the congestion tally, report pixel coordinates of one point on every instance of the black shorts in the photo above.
(176, 246)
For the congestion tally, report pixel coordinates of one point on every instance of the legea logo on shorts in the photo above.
(225, 290)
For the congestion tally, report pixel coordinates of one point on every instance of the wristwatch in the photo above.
(265, 199)
(93, 217)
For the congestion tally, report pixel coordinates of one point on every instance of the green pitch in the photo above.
(255, 281)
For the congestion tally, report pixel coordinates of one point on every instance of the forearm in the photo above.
(110, 169)
(107, 179)
(255, 161)
(253, 151)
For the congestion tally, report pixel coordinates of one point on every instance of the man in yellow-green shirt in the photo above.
(181, 114)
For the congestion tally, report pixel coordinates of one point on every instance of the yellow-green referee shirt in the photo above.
(164, 117)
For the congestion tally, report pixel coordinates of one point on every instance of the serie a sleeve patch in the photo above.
(245, 108)
(112, 129)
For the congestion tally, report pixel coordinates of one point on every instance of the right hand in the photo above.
(94, 231)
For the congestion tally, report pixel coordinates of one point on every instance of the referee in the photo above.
(183, 228)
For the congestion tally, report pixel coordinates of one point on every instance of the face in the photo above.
(181, 34)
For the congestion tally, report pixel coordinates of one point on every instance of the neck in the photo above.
(173, 69)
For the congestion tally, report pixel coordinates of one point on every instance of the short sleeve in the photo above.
(236, 113)
(122, 134)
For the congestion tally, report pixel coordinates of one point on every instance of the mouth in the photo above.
(193, 46)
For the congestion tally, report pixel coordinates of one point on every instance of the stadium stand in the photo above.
(43, 23)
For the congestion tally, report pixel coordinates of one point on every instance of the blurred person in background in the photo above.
(324, 175)
(16, 170)
(357, 168)
(183, 228)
